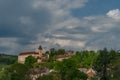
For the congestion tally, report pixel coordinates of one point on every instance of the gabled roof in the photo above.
(89, 72)
(29, 53)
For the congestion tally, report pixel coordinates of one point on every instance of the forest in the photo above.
(6, 60)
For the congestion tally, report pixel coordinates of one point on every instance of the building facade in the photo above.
(22, 56)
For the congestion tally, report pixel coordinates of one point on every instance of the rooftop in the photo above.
(28, 53)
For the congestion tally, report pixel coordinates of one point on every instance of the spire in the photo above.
(40, 47)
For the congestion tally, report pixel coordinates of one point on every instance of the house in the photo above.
(22, 56)
(90, 72)
(39, 55)
(64, 56)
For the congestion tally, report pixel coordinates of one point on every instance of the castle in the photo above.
(39, 55)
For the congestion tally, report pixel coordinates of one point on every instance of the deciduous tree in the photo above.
(30, 60)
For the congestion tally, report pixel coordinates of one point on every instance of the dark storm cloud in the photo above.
(79, 29)
(3, 49)
(10, 30)
(27, 23)
(11, 13)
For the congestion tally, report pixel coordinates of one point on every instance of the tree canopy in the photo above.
(30, 60)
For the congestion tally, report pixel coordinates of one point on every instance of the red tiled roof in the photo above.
(91, 73)
(83, 69)
(28, 53)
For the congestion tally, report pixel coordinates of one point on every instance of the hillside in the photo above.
(100, 65)
(7, 60)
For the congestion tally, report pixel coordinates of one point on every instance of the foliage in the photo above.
(46, 77)
(16, 72)
(106, 63)
(68, 71)
(115, 68)
(30, 60)
(102, 63)
(6, 60)
(85, 58)
(60, 51)
(52, 51)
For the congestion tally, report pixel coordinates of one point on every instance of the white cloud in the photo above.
(89, 18)
(90, 32)
(69, 23)
(66, 43)
(115, 14)
(50, 23)
(97, 29)
(58, 4)
(105, 27)
(58, 7)
(77, 35)
(58, 35)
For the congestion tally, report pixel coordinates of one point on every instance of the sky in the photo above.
(69, 24)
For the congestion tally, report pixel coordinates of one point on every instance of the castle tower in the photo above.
(40, 51)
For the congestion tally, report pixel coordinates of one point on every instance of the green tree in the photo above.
(115, 68)
(102, 63)
(68, 70)
(84, 58)
(19, 72)
(4, 75)
(60, 51)
(16, 72)
(52, 51)
(46, 77)
(30, 60)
